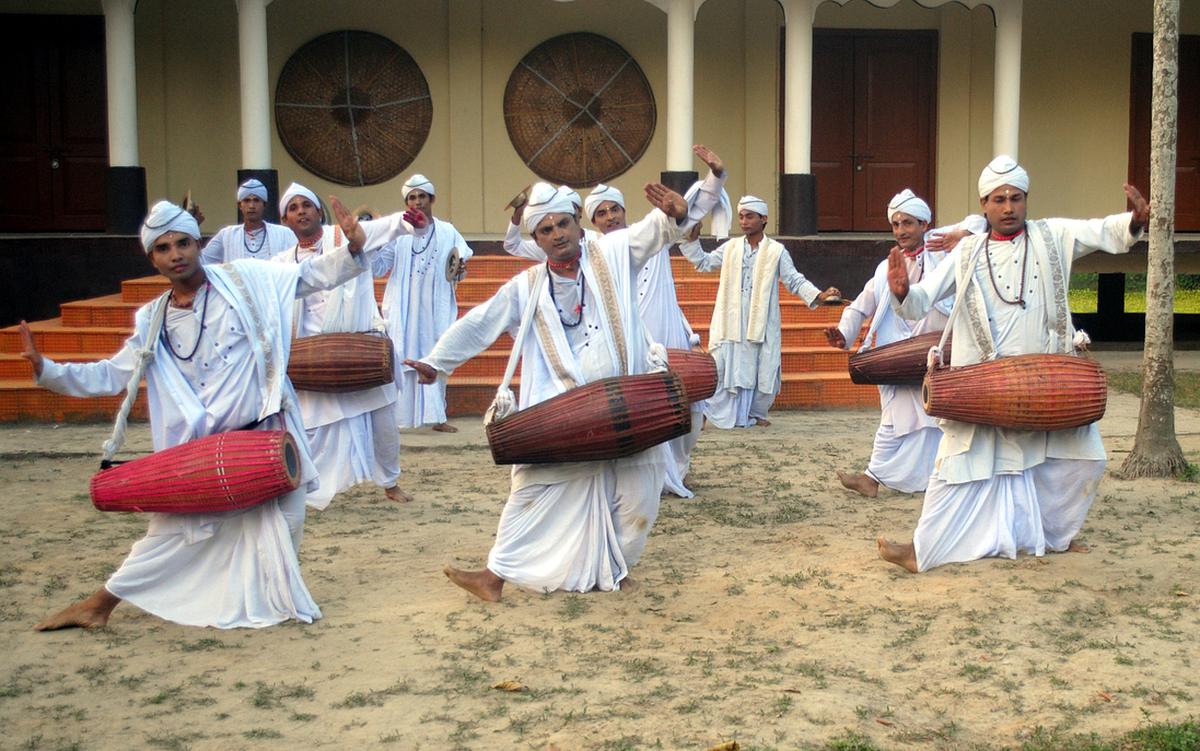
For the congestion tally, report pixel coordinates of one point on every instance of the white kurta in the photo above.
(353, 435)
(419, 305)
(749, 372)
(906, 441)
(996, 491)
(576, 526)
(234, 243)
(237, 568)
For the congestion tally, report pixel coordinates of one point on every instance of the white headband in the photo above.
(545, 199)
(753, 203)
(166, 217)
(418, 181)
(906, 202)
(252, 187)
(1003, 170)
(294, 190)
(601, 194)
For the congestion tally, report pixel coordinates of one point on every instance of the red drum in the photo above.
(698, 370)
(606, 419)
(1026, 392)
(901, 363)
(337, 363)
(220, 472)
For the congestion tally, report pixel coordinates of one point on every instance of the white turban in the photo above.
(906, 202)
(601, 194)
(722, 213)
(252, 187)
(753, 203)
(1003, 170)
(545, 199)
(572, 196)
(166, 217)
(418, 181)
(294, 190)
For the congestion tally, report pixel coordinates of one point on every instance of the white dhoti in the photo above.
(1040, 509)
(581, 534)
(419, 404)
(903, 462)
(363, 448)
(678, 452)
(173, 571)
(738, 407)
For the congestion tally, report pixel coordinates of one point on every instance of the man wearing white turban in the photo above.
(514, 245)
(907, 439)
(995, 491)
(217, 346)
(353, 434)
(576, 526)
(254, 237)
(746, 335)
(420, 302)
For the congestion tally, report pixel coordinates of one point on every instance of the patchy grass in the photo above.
(1187, 385)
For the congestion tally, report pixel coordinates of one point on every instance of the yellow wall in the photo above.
(1074, 92)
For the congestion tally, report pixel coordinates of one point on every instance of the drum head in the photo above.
(453, 266)
(291, 459)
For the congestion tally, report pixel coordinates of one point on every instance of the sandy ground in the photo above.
(763, 616)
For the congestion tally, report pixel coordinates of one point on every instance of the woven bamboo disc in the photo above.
(579, 110)
(352, 107)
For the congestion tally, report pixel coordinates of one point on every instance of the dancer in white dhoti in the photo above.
(254, 237)
(907, 438)
(576, 526)
(218, 345)
(746, 336)
(998, 492)
(353, 435)
(420, 303)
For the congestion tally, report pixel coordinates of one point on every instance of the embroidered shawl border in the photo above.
(612, 309)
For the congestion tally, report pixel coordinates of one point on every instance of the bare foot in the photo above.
(90, 613)
(762, 422)
(1078, 547)
(904, 556)
(862, 484)
(445, 427)
(394, 493)
(628, 585)
(483, 583)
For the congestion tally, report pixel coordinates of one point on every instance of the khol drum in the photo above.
(337, 363)
(698, 370)
(901, 363)
(220, 472)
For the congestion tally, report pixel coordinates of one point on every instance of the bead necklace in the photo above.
(578, 308)
(166, 336)
(246, 240)
(428, 241)
(1020, 300)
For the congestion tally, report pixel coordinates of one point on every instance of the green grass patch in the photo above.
(1084, 301)
(1187, 385)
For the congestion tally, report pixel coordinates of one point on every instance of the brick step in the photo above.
(22, 400)
(13, 366)
(52, 336)
(109, 311)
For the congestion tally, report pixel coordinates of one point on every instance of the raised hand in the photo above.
(709, 157)
(670, 202)
(29, 350)
(832, 292)
(897, 274)
(946, 241)
(834, 336)
(416, 218)
(693, 234)
(349, 223)
(1141, 208)
(426, 374)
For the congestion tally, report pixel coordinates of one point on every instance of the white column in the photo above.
(256, 95)
(798, 18)
(121, 73)
(680, 87)
(1006, 114)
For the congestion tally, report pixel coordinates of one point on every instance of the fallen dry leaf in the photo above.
(511, 686)
(1105, 696)
(726, 746)
(882, 721)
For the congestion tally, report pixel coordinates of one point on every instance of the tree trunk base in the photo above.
(1160, 464)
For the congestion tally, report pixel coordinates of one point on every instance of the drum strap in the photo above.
(503, 404)
(960, 299)
(142, 359)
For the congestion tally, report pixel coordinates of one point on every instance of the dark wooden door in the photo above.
(54, 135)
(873, 123)
(1187, 152)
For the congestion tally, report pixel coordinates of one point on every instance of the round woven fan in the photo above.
(579, 110)
(352, 107)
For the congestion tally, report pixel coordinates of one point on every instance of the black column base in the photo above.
(269, 178)
(126, 199)
(679, 181)
(797, 204)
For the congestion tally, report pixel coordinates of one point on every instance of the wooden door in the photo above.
(873, 123)
(1187, 152)
(54, 136)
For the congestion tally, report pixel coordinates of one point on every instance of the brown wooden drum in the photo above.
(606, 419)
(220, 472)
(698, 370)
(901, 363)
(337, 363)
(1026, 392)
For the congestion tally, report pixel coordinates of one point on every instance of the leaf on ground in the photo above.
(510, 686)
(726, 746)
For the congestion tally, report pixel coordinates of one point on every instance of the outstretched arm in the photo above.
(473, 333)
